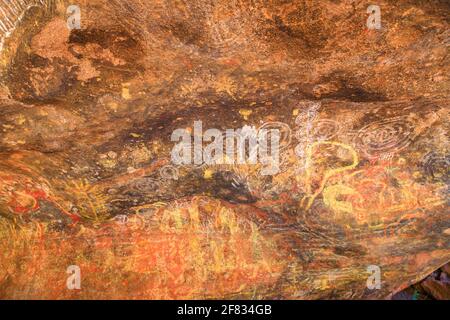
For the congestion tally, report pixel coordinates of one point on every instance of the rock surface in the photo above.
(86, 177)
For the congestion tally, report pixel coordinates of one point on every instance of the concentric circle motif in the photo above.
(284, 129)
(319, 130)
(436, 166)
(386, 136)
(145, 185)
(325, 129)
(169, 172)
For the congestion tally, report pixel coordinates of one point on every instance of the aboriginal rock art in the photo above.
(88, 177)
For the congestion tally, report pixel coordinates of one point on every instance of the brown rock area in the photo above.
(357, 210)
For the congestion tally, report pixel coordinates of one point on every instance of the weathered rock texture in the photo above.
(86, 117)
